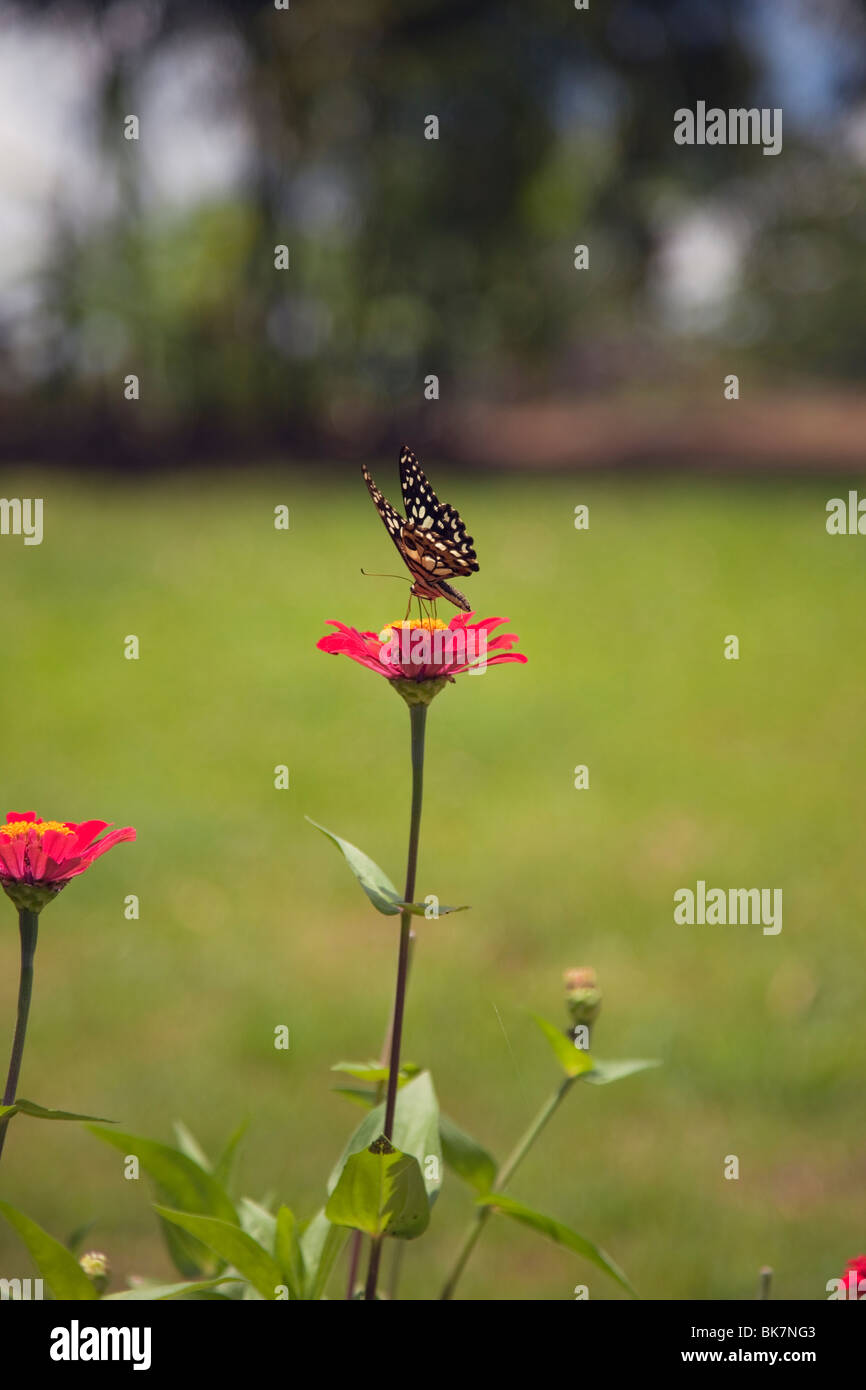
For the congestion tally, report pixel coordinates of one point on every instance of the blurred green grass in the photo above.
(741, 773)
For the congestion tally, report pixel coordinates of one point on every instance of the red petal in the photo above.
(36, 857)
(58, 846)
(12, 856)
(59, 873)
(85, 832)
(114, 837)
(347, 641)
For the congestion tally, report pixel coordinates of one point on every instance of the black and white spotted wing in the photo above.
(428, 519)
(390, 516)
(431, 538)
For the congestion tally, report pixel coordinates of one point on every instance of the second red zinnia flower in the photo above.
(39, 857)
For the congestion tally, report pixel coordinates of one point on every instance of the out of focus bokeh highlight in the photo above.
(260, 388)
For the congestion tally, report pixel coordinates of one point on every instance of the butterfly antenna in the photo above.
(368, 574)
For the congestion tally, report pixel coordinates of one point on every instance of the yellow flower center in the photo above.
(22, 827)
(431, 624)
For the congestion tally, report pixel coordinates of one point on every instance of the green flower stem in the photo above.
(354, 1261)
(396, 1267)
(503, 1177)
(418, 718)
(28, 925)
(357, 1238)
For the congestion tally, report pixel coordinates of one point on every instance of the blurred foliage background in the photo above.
(410, 256)
(260, 388)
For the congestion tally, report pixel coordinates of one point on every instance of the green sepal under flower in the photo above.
(31, 897)
(420, 692)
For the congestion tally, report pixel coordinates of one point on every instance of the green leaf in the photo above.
(374, 1071)
(224, 1166)
(189, 1257)
(232, 1245)
(573, 1060)
(420, 909)
(189, 1145)
(161, 1292)
(321, 1243)
(556, 1231)
(366, 1099)
(75, 1241)
(258, 1222)
(189, 1186)
(374, 881)
(381, 1193)
(466, 1157)
(181, 1182)
(57, 1265)
(604, 1072)
(416, 1132)
(38, 1112)
(287, 1251)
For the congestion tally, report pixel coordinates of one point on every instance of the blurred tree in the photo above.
(453, 255)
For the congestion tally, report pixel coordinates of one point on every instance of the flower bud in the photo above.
(582, 996)
(95, 1266)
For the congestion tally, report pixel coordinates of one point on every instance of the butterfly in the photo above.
(431, 537)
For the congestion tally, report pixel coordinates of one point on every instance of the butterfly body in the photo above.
(431, 538)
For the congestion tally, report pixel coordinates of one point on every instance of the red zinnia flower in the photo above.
(39, 857)
(855, 1272)
(419, 658)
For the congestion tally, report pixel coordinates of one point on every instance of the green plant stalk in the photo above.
(503, 1177)
(28, 926)
(396, 1267)
(357, 1237)
(354, 1261)
(418, 719)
